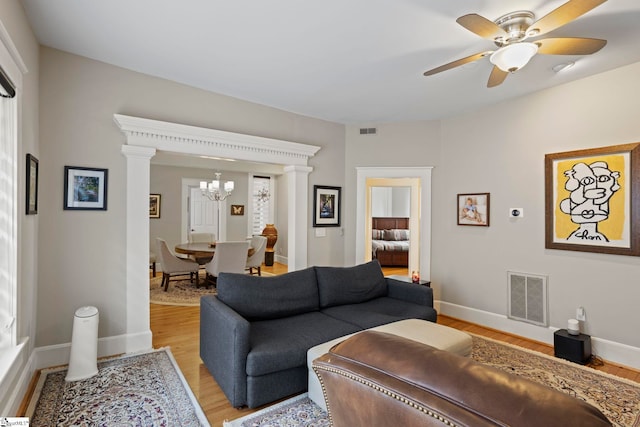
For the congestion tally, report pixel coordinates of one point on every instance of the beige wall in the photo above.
(501, 150)
(167, 181)
(81, 259)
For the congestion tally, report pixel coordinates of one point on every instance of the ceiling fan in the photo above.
(510, 33)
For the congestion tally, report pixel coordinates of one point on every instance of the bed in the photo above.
(390, 241)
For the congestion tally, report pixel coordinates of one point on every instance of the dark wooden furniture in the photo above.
(391, 258)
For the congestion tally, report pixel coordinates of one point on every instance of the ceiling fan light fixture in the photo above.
(512, 57)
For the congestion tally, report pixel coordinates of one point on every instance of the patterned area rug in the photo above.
(136, 390)
(617, 398)
(181, 292)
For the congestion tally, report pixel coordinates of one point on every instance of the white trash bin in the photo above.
(83, 362)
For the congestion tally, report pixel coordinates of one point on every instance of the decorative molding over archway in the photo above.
(144, 138)
(185, 139)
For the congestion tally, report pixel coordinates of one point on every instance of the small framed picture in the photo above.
(326, 206)
(473, 209)
(32, 185)
(85, 188)
(237, 209)
(154, 206)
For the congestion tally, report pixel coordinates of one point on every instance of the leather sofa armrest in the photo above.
(403, 382)
(409, 292)
(224, 346)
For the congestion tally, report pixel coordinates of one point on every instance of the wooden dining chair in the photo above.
(230, 257)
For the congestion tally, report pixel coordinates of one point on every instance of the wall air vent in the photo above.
(368, 131)
(528, 298)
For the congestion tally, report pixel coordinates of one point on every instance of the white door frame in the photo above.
(362, 190)
(143, 138)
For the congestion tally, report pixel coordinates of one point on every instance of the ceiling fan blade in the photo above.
(497, 77)
(563, 15)
(569, 46)
(457, 63)
(481, 26)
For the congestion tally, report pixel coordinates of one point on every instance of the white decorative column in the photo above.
(298, 215)
(138, 335)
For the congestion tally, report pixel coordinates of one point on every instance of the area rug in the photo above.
(298, 411)
(181, 292)
(617, 398)
(136, 390)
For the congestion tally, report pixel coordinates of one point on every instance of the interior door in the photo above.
(203, 213)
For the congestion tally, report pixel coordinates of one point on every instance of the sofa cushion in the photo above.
(281, 344)
(257, 298)
(350, 285)
(380, 311)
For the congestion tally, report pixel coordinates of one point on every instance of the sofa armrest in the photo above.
(224, 346)
(410, 292)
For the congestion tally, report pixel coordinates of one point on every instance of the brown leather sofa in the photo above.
(379, 379)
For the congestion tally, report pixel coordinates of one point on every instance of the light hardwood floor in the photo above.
(179, 328)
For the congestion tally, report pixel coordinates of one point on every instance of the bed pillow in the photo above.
(377, 234)
(396, 235)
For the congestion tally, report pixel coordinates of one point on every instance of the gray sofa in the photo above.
(254, 335)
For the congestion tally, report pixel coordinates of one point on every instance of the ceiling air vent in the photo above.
(368, 131)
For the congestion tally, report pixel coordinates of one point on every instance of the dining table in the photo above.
(201, 250)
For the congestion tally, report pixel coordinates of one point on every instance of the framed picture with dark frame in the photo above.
(154, 205)
(592, 200)
(237, 209)
(85, 188)
(473, 209)
(31, 185)
(326, 206)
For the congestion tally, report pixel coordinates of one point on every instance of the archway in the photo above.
(144, 138)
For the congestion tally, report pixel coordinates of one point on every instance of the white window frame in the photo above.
(251, 196)
(13, 67)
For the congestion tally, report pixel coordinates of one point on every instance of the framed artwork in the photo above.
(326, 206)
(592, 202)
(32, 185)
(154, 206)
(237, 209)
(85, 188)
(473, 209)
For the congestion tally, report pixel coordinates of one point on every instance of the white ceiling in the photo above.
(347, 61)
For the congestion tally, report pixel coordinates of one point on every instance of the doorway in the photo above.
(419, 179)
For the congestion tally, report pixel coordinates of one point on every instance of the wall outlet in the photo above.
(580, 314)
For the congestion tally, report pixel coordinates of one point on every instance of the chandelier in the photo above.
(263, 194)
(212, 189)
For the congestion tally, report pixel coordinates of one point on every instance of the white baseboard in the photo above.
(615, 352)
(58, 355)
(282, 259)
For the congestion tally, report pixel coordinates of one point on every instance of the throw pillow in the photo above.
(350, 285)
(260, 298)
